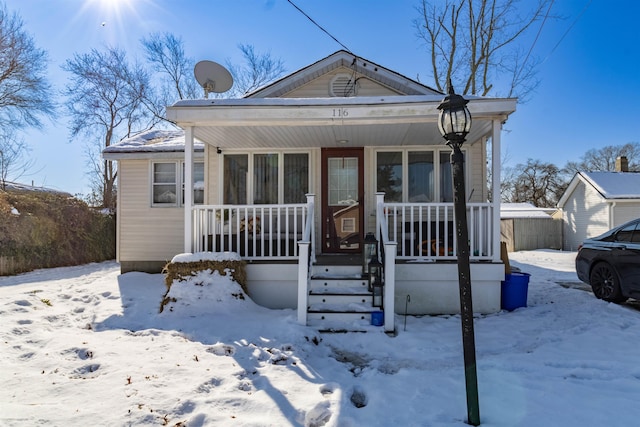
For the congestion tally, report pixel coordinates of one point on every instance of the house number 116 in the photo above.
(340, 112)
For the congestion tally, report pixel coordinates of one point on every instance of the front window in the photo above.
(236, 167)
(274, 177)
(198, 183)
(389, 175)
(421, 177)
(446, 178)
(296, 177)
(415, 176)
(265, 178)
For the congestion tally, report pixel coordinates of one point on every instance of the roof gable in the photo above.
(343, 62)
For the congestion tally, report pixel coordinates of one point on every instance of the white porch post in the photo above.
(188, 188)
(495, 184)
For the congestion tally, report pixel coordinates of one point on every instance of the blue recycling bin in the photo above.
(377, 318)
(514, 290)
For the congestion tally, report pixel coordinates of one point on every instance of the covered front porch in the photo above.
(282, 241)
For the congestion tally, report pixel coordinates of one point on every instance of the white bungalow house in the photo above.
(293, 175)
(595, 202)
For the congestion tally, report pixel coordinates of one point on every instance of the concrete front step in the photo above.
(334, 297)
(342, 322)
(344, 271)
(339, 299)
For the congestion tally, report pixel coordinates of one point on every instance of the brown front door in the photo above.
(342, 196)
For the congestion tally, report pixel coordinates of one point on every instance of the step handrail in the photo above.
(306, 258)
(388, 251)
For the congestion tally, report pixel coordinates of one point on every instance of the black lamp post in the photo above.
(454, 123)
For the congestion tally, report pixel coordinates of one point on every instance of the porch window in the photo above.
(446, 180)
(236, 167)
(166, 182)
(296, 177)
(265, 178)
(415, 176)
(198, 183)
(274, 177)
(389, 175)
(420, 185)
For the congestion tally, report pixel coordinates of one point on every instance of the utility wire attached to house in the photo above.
(350, 87)
(320, 26)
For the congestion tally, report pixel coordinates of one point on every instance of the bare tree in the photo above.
(13, 160)
(604, 159)
(173, 69)
(258, 70)
(25, 93)
(535, 182)
(474, 42)
(105, 99)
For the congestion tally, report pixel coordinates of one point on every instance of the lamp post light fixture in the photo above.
(375, 272)
(369, 251)
(454, 123)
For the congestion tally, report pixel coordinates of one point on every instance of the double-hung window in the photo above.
(167, 183)
(265, 178)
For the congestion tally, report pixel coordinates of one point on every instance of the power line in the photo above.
(319, 26)
(584, 9)
(535, 40)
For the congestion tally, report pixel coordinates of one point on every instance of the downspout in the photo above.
(188, 188)
(612, 213)
(495, 187)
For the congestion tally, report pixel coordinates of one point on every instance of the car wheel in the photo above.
(605, 284)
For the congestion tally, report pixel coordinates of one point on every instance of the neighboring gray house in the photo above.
(524, 227)
(595, 202)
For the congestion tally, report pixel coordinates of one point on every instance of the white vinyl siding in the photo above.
(624, 212)
(586, 214)
(145, 233)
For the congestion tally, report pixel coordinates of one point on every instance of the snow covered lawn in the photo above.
(86, 346)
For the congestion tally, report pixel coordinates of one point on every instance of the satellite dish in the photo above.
(213, 77)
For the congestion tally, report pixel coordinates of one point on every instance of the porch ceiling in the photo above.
(332, 122)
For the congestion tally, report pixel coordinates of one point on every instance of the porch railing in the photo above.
(253, 231)
(427, 230)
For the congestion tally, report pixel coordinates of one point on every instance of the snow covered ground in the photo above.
(86, 346)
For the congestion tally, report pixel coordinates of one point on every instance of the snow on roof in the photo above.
(522, 210)
(155, 140)
(25, 187)
(356, 100)
(615, 185)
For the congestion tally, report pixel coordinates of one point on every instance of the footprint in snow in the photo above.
(359, 397)
(319, 415)
(222, 349)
